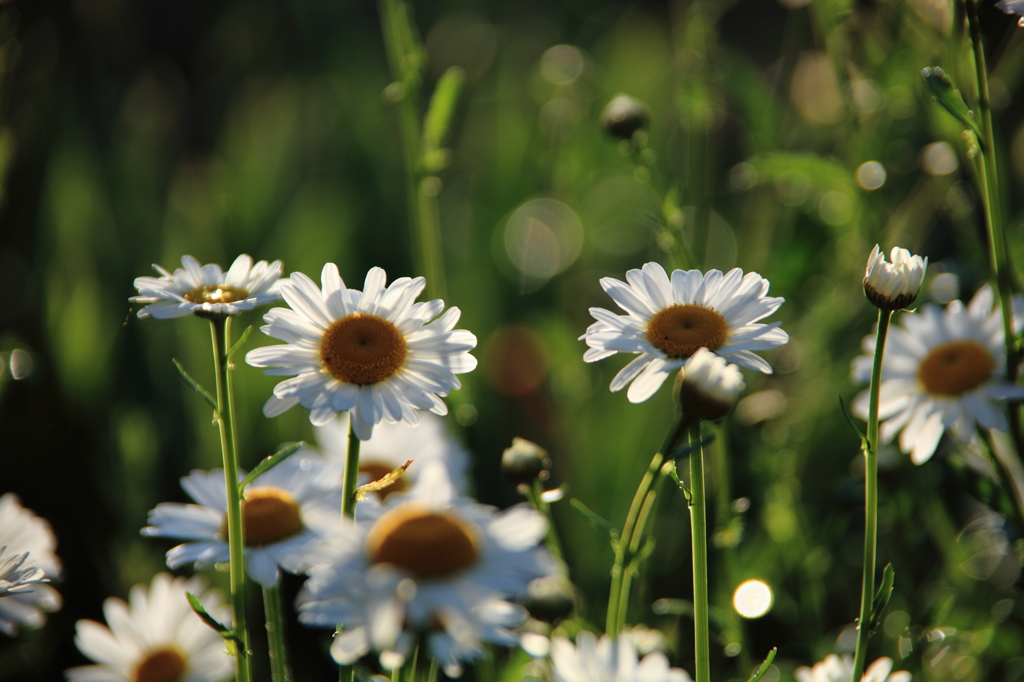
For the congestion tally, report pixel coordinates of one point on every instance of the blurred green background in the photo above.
(136, 132)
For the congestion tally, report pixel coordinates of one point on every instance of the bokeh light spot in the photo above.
(752, 599)
(835, 208)
(938, 158)
(543, 237)
(871, 175)
(561, 64)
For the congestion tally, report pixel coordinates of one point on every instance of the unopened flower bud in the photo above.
(892, 286)
(524, 462)
(625, 115)
(709, 386)
(549, 599)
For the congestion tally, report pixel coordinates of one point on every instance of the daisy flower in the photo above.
(710, 385)
(892, 286)
(285, 513)
(668, 320)
(206, 290)
(835, 669)
(391, 446)
(428, 563)
(942, 369)
(609, 660)
(375, 352)
(155, 637)
(27, 560)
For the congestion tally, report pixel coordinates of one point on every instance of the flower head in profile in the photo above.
(27, 563)
(942, 369)
(155, 637)
(710, 385)
(893, 286)
(609, 660)
(668, 320)
(375, 352)
(429, 564)
(835, 669)
(392, 445)
(285, 513)
(206, 290)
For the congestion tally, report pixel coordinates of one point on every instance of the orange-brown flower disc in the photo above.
(426, 544)
(955, 368)
(681, 330)
(376, 471)
(216, 293)
(161, 665)
(362, 349)
(269, 515)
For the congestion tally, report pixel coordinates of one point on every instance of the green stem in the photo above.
(699, 535)
(988, 178)
(275, 634)
(220, 328)
(867, 595)
(405, 60)
(534, 494)
(618, 599)
(350, 480)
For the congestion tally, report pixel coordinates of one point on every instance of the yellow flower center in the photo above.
(955, 368)
(161, 665)
(269, 515)
(216, 293)
(680, 330)
(362, 349)
(378, 470)
(426, 544)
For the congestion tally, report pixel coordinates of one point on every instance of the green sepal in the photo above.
(950, 98)
(760, 672)
(853, 425)
(882, 597)
(242, 338)
(594, 520)
(218, 627)
(193, 384)
(270, 462)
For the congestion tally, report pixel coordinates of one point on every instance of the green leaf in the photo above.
(882, 596)
(950, 98)
(217, 626)
(849, 420)
(439, 114)
(594, 520)
(241, 339)
(760, 672)
(270, 462)
(674, 474)
(193, 384)
(685, 450)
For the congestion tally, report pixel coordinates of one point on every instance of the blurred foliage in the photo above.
(134, 133)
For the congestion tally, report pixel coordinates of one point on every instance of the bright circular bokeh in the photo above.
(543, 237)
(753, 599)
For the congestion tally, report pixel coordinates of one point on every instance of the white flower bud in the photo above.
(892, 286)
(710, 385)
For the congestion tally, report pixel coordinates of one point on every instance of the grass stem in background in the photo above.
(699, 535)
(275, 634)
(220, 328)
(535, 495)
(867, 596)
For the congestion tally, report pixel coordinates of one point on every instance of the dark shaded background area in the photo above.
(135, 132)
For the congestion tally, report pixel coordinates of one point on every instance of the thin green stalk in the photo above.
(867, 595)
(618, 599)
(350, 480)
(220, 328)
(988, 178)
(535, 492)
(275, 635)
(699, 535)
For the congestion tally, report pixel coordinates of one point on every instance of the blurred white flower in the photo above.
(609, 660)
(892, 286)
(835, 669)
(942, 369)
(285, 513)
(1013, 7)
(428, 564)
(206, 290)
(156, 637)
(710, 385)
(668, 320)
(25, 564)
(374, 352)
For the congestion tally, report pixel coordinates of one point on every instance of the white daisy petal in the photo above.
(608, 660)
(27, 561)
